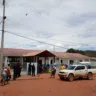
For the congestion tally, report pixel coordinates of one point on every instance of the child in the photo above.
(4, 76)
(53, 71)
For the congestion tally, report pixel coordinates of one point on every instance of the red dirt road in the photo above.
(45, 86)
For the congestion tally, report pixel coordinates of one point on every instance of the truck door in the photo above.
(80, 71)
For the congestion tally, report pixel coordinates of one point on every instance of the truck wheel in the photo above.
(61, 78)
(71, 77)
(89, 77)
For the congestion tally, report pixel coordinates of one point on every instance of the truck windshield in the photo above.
(71, 67)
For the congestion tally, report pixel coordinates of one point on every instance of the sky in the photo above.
(63, 23)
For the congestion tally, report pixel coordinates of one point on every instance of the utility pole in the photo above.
(2, 38)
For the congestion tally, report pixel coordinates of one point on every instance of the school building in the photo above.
(24, 56)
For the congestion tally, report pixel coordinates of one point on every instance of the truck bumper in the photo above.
(62, 75)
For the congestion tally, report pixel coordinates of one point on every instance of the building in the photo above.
(23, 56)
(93, 61)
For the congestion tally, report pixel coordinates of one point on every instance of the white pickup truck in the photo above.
(77, 71)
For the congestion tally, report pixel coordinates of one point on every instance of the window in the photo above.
(80, 60)
(57, 58)
(71, 67)
(80, 68)
(71, 61)
(51, 61)
(89, 67)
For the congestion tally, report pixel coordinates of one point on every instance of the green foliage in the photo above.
(71, 50)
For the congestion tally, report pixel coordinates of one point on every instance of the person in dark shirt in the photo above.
(33, 70)
(14, 72)
(18, 70)
(29, 69)
(38, 69)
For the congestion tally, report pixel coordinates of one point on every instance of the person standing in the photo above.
(19, 67)
(53, 71)
(8, 72)
(4, 76)
(62, 67)
(29, 69)
(33, 70)
(14, 72)
(20, 70)
(38, 70)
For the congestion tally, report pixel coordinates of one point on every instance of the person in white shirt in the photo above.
(3, 75)
(53, 71)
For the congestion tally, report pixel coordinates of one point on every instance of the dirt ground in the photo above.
(45, 86)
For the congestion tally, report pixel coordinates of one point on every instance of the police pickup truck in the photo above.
(77, 71)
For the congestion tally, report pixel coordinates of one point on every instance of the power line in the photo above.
(44, 11)
(55, 40)
(35, 10)
(72, 43)
(34, 39)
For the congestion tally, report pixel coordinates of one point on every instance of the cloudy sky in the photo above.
(64, 23)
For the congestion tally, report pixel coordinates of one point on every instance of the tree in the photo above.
(71, 50)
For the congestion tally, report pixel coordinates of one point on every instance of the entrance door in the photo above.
(40, 62)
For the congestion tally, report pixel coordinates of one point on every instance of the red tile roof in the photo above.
(17, 52)
(41, 53)
(25, 52)
(70, 55)
(93, 58)
(34, 53)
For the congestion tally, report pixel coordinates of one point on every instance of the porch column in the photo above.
(68, 61)
(5, 61)
(54, 59)
(36, 59)
(45, 61)
(49, 60)
(21, 60)
(76, 61)
(89, 59)
(33, 59)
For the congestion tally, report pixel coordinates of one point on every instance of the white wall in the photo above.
(48, 60)
(5, 60)
(58, 60)
(43, 59)
(93, 63)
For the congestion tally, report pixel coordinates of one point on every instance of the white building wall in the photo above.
(58, 60)
(43, 59)
(93, 63)
(5, 61)
(67, 61)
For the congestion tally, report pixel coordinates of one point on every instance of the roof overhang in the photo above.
(44, 53)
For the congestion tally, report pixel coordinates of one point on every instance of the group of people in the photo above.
(6, 71)
(40, 68)
(31, 70)
(5, 75)
(16, 70)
